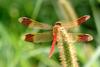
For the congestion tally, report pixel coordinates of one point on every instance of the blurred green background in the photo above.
(14, 52)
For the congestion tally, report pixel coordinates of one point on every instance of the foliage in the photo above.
(14, 52)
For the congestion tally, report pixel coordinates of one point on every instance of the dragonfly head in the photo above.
(56, 27)
(58, 23)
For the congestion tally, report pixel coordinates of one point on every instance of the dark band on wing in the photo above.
(25, 21)
(83, 19)
(29, 37)
(85, 37)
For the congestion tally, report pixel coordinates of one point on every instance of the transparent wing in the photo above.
(79, 37)
(38, 38)
(47, 36)
(33, 24)
(76, 23)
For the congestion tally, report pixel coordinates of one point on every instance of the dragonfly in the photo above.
(52, 34)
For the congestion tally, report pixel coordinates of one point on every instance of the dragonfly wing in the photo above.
(33, 24)
(38, 38)
(85, 37)
(77, 22)
(79, 37)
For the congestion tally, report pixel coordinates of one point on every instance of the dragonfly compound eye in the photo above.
(58, 23)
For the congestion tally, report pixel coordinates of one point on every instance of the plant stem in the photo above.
(66, 49)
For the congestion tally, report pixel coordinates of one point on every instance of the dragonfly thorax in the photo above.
(56, 27)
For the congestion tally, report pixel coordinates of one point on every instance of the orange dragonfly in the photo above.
(52, 35)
